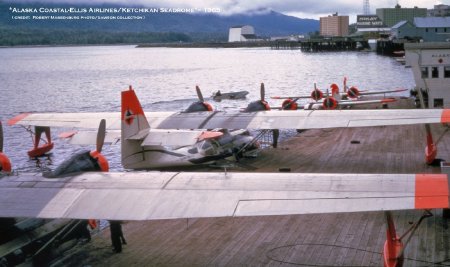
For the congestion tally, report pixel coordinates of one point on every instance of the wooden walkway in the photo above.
(345, 239)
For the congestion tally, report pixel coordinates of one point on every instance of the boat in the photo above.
(217, 96)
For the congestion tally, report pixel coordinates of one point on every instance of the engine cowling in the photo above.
(199, 106)
(316, 95)
(258, 105)
(289, 104)
(353, 92)
(329, 103)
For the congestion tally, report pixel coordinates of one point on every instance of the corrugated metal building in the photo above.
(392, 16)
(429, 29)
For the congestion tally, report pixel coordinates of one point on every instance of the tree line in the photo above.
(13, 36)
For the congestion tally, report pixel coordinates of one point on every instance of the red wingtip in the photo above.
(431, 191)
(17, 118)
(445, 117)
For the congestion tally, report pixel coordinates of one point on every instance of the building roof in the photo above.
(399, 24)
(241, 26)
(249, 36)
(432, 22)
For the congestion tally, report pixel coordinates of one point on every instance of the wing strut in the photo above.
(394, 247)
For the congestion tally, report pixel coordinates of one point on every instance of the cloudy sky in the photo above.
(300, 8)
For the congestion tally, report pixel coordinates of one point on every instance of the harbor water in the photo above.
(89, 79)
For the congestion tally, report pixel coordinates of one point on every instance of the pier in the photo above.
(341, 239)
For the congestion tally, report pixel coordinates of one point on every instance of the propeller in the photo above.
(101, 135)
(258, 105)
(5, 163)
(199, 105)
(101, 160)
(329, 102)
(1, 137)
(199, 94)
(316, 94)
(84, 161)
(262, 92)
(345, 84)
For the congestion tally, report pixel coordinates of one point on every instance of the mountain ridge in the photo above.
(269, 23)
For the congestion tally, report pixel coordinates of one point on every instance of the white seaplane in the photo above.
(321, 100)
(145, 137)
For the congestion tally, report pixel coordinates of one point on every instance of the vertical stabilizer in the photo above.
(133, 123)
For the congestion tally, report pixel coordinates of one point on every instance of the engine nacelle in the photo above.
(316, 95)
(289, 104)
(199, 106)
(329, 103)
(258, 105)
(85, 161)
(353, 92)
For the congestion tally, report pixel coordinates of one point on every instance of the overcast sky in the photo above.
(299, 8)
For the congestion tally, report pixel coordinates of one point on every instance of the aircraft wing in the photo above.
(171, 195)
(346, 103)
(382, 92)
(297, 119)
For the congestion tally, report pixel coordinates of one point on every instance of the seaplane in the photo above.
(85, 193)
(145, 135)
(321, 100)
(78, 193)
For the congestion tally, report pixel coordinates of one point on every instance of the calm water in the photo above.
(71, 79)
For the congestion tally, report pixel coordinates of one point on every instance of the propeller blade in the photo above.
(101, 135)
(199, 94)
(1, 137)
(263, 92)
(345, 84)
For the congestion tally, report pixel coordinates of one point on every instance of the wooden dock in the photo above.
(344, 239)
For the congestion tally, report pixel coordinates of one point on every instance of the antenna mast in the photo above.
(366, 7)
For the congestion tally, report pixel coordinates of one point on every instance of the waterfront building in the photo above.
(241, 34)
(430, 63)
(334, 25)
(429, 29)
(392, 16)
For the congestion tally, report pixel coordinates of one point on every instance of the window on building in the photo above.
(445, 29)
(426, 30)
(434, 72)
(438, 103)
(447, 72)
(435, 29)
(424, 72)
